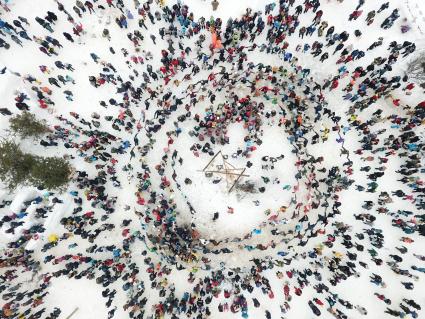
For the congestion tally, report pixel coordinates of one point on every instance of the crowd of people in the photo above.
(166, 76)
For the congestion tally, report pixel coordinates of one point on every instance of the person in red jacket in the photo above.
(409, 87)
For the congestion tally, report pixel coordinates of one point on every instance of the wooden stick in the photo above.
(218, 172)
(211, 161)
(225, 168)
(233, 166)
(237, 180)
(72, 313)
(229, 169)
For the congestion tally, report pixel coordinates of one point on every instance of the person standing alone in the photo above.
(214, 4)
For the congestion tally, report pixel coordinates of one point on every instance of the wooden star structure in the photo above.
(233, 174)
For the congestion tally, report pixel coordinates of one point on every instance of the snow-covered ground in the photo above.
(264, 232)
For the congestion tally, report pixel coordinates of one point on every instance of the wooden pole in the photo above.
(211, 161)
(229, 170)
(226, 173)
(237, 180)
(233, 166)
(72, 313)
(225, 168)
